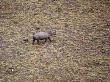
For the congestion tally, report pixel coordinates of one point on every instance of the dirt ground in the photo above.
(79, 52)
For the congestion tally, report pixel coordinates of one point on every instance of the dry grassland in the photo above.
(80, 51)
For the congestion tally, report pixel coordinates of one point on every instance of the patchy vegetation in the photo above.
(80, 52)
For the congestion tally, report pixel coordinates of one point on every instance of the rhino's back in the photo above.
(41, 35)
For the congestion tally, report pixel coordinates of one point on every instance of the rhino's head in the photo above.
(52, 32)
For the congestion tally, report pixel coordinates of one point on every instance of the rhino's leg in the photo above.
(45, 39)
(49, 39)
(37, 41)
(33, 41)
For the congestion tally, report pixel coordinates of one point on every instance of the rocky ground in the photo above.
(80, 51)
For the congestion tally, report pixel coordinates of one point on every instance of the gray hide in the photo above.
(42, 36)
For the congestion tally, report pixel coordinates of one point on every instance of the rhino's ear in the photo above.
(33, 33)
(54, 32)
(49, 31)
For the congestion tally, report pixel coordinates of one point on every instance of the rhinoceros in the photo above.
(43, 36)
